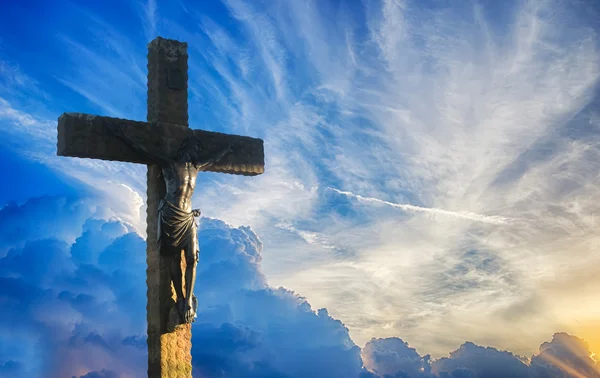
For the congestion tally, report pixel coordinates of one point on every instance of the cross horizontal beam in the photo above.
(88, 136)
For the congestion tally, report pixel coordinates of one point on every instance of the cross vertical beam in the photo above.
(169, 353)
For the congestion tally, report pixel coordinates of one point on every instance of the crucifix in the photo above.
(174, 154)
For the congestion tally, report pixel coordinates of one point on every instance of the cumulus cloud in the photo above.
(41, 217)
(566, 356)
(482, 362)
(392, 357)
(101, 374)
(78, 304)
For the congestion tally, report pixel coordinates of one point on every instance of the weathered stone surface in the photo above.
(88, 136)
(167, 81)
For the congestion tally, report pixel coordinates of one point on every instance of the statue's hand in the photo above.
(196, 212)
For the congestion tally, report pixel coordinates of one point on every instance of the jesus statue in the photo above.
(177, 228)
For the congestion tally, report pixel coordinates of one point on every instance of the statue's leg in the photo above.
(176, 275)
(191, 257)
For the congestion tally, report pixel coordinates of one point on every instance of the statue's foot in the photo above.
(190, 313)
(176, 315)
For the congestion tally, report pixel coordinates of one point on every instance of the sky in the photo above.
(428, 207)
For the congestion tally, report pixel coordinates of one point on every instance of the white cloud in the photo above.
(17, 122)
(497, 220)
(151, 19)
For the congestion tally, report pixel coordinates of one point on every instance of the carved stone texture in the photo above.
(167, 81)
(88, 136)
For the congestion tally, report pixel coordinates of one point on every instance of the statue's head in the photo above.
(190, 149)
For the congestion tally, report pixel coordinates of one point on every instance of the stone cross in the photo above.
(88, 136)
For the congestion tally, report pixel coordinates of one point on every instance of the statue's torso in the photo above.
(180, 182)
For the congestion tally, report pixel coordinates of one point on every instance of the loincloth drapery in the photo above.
(176, 229)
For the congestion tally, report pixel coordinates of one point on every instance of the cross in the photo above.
(88, 136)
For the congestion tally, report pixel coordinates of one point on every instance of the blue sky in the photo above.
(428, 206)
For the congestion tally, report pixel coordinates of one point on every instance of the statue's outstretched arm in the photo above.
(215, 159)
(118, 132)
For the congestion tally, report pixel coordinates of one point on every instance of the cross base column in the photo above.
(169, 351)
(170, 356)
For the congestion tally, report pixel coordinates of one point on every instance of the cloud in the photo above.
(266, 41)
(150, 18)
(389, 357)
(295, 342)
(565, 355)
(308, 236)
(482, 362)
(101, 374)
(73, 298)
(498, 220)
(41, 218)
(94, 89)
(36, 128)
(76, 307)
(63, 281)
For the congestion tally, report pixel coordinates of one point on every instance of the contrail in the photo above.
(493, 219)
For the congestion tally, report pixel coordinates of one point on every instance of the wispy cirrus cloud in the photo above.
(497, 95)
(497, 220)
(150, 18)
